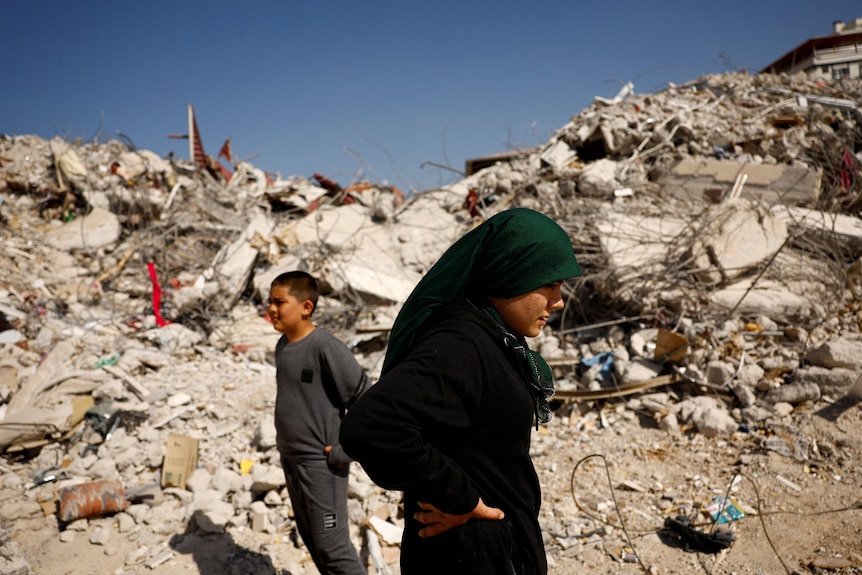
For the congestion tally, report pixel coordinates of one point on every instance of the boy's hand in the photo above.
(326, 450)
(439, 522)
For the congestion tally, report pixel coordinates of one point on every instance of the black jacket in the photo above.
(449, 424)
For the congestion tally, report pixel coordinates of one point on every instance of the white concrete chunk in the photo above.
(96, 230)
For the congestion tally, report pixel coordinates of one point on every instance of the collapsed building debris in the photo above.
(723, 212)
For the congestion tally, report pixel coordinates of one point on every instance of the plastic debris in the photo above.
(724, 510)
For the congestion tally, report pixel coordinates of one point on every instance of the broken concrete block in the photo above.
(364, 256)
(210, 513)
(744, 395)
(174, 338)
(247, 181)
(737, 236)
(640, 369)
(378, 281)
(259, 517)
(266, 478)
(598, 179)
(769, 183)
(598, 138)
(389, 532)
(425, 231)
(199, 480)
(98, 229)
(817, 225)
(334, 227)
(839, 352)
(765, 297)
(638, 246)
(750, 374)
(708, 415)
(245, 330)
(100, 534)
(21, 509)
(719, 372)
(559, 155)
(135, 357)
(67, 164)
(265, 436)
(52, 366)
(793, 393)
(836, 380)
(226, 480)
(232, 268)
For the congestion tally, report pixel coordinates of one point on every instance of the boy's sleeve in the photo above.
(349, 381)
(348, 377)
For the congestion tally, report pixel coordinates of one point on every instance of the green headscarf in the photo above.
(511, 253)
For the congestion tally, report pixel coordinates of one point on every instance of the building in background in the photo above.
(838, 55)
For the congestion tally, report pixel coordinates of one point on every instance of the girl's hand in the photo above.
(438, 522)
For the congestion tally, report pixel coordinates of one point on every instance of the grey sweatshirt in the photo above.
(318, 379)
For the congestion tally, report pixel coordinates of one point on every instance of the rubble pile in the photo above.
(717, 224)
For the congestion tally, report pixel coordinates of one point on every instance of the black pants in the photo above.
(319, 498)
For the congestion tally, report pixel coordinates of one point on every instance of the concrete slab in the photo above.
(638, 245)
(845, 228)
(769, 298)
(769, 183)
(736, 237)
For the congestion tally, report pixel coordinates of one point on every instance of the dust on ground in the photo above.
(610, 480)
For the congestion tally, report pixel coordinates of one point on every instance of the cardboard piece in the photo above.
(81, 404)
(181, 459)
(671, 344)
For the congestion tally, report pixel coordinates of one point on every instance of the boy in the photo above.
(318, 379)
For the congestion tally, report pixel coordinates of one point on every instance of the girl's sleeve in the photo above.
(391, 428)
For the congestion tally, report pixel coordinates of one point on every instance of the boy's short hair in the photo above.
(301, 285)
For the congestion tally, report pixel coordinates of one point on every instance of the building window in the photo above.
(824, 69)
(838, 73)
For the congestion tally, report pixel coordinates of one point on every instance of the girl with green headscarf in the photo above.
(450, 419)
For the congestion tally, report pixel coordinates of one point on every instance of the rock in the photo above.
(744, 395)
(19, 509)
(210, 513)
(840, 352)
(719, 373)
(100, 534)
(793, 393)
(708, 416)
(750, 374)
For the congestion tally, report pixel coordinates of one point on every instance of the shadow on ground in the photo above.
(834, 411)
(218, 554)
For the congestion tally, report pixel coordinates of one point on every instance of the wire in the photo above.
(616, 506)
(760, 516)
(758, 499)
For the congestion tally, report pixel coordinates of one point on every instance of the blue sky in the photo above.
(366, 90)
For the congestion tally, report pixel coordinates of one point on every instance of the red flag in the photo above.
(157, 295)
(226, 152)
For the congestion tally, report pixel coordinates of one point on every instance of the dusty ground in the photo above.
(809, 508)
(682, 474)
